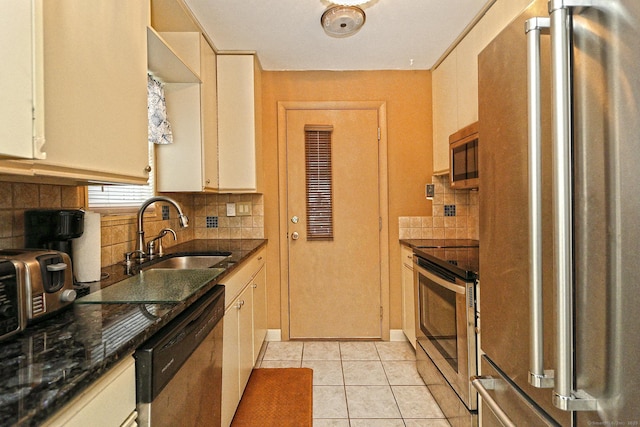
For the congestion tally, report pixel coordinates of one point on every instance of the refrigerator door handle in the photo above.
(564, 396)
(538, 376)
(482, 385)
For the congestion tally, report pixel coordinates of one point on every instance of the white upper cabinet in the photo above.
(445, 111)
(455, 80)
(95, 63)
(191, 162)
(22, 101)
(239, 123)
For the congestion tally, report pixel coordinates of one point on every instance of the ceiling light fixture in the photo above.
(349, 2)
(342, 21)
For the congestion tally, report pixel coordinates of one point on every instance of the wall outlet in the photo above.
(430, 191)
(231, 209)
(243, 208)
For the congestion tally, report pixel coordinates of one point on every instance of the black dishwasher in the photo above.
(179, 369)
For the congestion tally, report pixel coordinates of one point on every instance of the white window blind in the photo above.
(318, 179)
(120, 197)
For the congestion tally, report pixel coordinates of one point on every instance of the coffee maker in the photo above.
(53, 228)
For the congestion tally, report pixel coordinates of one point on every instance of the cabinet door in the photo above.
(230, 364)
(109, 401)
(237, 116)
(237, 352)
(22, 102)
(408, 299)
(95, 59)
(209, 98)
(259, 311)
(467, 80)
(445, 111)
(245, 328)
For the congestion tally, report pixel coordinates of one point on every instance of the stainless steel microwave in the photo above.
(463, 157)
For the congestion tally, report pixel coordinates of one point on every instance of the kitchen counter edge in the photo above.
(55, 360)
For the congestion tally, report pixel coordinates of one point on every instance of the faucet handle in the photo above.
(158, 250)
(129, 255)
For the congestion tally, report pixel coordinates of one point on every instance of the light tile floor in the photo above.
(360, 384)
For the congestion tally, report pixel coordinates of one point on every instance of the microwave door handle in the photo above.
(564, 396)
(538, 376)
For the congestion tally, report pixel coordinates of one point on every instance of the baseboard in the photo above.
(274, 335)
(397, 335)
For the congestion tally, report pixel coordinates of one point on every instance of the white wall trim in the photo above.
(274, 335)
(397, 335)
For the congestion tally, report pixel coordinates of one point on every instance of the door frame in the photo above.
(383, 199)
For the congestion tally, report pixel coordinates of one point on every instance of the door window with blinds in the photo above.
(318, 182)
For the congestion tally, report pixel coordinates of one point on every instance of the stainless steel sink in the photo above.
(189, 261)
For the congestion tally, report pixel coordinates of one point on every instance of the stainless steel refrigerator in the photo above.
(559, 156)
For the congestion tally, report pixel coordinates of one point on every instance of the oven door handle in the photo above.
(454, 287)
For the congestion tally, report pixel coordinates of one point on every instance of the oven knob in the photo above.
(68, 295)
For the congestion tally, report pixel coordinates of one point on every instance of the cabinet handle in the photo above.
(259, 258)
(240, 304)
(254, 286)
(148, 168)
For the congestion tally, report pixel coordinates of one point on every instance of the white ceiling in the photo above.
(287, 35)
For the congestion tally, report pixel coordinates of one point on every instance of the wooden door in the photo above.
(335, 285)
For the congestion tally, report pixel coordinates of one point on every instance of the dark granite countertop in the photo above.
(51, 362)
(460, 256)
(440, 243)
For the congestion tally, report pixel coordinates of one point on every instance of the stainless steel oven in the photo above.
(446, 317)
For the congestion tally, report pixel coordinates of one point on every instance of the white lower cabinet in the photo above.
(244, 330)
(259, 311)
(408, 295)
(109, 402)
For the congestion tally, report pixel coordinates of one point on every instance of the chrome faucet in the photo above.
(184, 221)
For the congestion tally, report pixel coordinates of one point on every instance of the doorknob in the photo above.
(295, 235)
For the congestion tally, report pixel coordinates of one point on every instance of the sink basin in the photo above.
(190, 262)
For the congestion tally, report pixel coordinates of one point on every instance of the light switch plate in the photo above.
(430, 191)
(243, 208)
(231, 209)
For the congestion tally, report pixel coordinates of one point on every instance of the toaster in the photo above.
(33, 285)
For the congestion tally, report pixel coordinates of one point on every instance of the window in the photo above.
(318, 182)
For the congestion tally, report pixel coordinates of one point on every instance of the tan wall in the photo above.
(409, 125)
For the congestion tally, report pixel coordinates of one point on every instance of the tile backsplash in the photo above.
(206, 212)
(454, 215)
(16, 198)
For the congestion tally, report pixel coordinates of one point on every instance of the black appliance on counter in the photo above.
(53, 228)
(446, 273)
